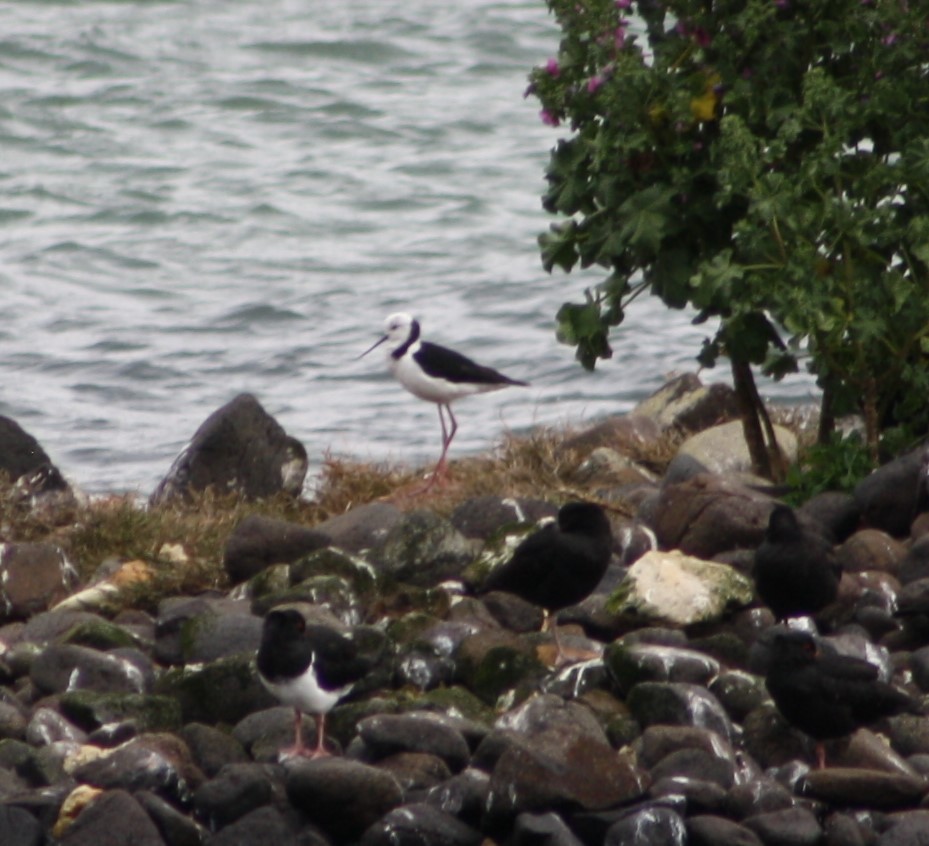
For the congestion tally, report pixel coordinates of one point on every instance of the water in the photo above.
(198, 199)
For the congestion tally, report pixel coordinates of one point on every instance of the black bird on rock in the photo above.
(309, 667)
(827, 695)
(560, 564)
(796, 572)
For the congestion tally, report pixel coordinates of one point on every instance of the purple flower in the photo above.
(782, 4)
(889, 39)
(623, 4)
(551, 66)
(594, 83)
(548, 118)
(619, 37)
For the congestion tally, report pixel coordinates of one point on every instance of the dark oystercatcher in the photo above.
(796, 572)
(309, 667)
(560, 564)
(827, 695)
(435, 374)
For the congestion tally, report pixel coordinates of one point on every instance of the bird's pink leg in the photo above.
(300, 748)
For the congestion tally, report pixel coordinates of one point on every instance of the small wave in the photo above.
(366, 52)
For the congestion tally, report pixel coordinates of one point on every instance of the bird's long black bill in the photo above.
(375, 345)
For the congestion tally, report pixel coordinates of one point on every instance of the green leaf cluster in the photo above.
(765, 162)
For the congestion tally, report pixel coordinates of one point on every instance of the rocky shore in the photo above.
(120, 725)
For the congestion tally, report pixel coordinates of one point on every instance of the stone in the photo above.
(259, 541)
(388, 734)
(20, 452)
(241, 448)
(722, 449)
(790, 827)
(236, 790)
(416, 772)
(707, 830)
(19, 828)
(180, 618)
(48, 726)
(363, 527)
(887, 497)
(212, 749)
(677, 703)
(906, 829)
(630, 664)
(62, 667)
(352, 569)
(835, 511)
(210, 636)
(485, 517)
(175, 828)
(696, 764)
(149, 713)
(342, 797)
(222, 691)
(491, 662)
(685, 404)
(649, 826)
(658, 741)
(33, 577)
(114, 819)
(860, 788)
(546, 829)
(420, 824)
(263, 826)
(738, 692)
(423, 549)
(670, 587)
(464, 795)
(870, 549)
(628, 434)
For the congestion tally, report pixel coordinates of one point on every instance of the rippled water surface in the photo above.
(202, 198)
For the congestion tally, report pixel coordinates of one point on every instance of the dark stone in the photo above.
(790, 827)
(20, 453)
(19, 827)
(388, 734)
(423, 549)
(416, 772)
(907, 829)
(844, 830)
(717, 831)
(630, 664)
(835, 512)
(237, 790)
(696, 764)
(261, 827)
(513, 612)
(708, 515)
(113, 819)
(887, 497)
(361, 528)
(180, 618)
(343, 797)
(259, 541)
(417, 824)
(678, 704)
(649, 826)
(861, 788)
(211, 749)
(464, 795)
(483, 517)
(701, 797)
(33, 577)
(148, 713)
(175, 828)
(870, 549)
(542, 830)
(241, 448)
(62, 667)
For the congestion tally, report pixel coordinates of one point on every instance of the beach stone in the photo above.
(414, 824)
(513, 612)
(708, 830)
(416, 772)
(708, 515)
(62, 667)
(181, 618)
(237, 789)
(13, 720)
(649, 826)
(685, 404)
(148, 713)
(910, 828)
(209, 636)
(47, 726)
(834, 511)
(343, 797)
(263, 826)
(157, 762)
(353, 569)
(722, 449)
(423, 549)
(239, 447)
(387, 734)
(870, 549)
(20, 452)
(658, 741)
(738, 692)
(860, 788)
(699, 796)
(463, 795)
(630, 664)
(886, 498)
(771, 740)
(546, 829)
(175, 828)
(491, 662)
(678, 703)
(33, 577)
(259, 541)
(607, 467)
(113, 819)
(795, 826)
(19, 827)
(626, 433)
(483, 517)
(211, 748)
(363, 527)
(222, 691)
(670, 587)
(696, 764)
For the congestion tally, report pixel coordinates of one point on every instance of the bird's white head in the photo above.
(400, 328)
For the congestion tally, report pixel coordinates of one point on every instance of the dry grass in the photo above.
(183, 542)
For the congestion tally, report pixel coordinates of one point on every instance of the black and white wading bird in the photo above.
(435, 374)
(827, 695)
(309, 667)
(560, 564)
(796, 572)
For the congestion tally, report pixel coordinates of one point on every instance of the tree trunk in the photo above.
(763, 448)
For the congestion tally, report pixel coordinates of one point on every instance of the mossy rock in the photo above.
(332, 591)
(271, 580)
(89, 710)
(100, 634)
(456, 701)
(424, 549)
(222, 691)
(496, 552)
(498, 670)
(342, 720)
(334, 562)
(408, 628)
